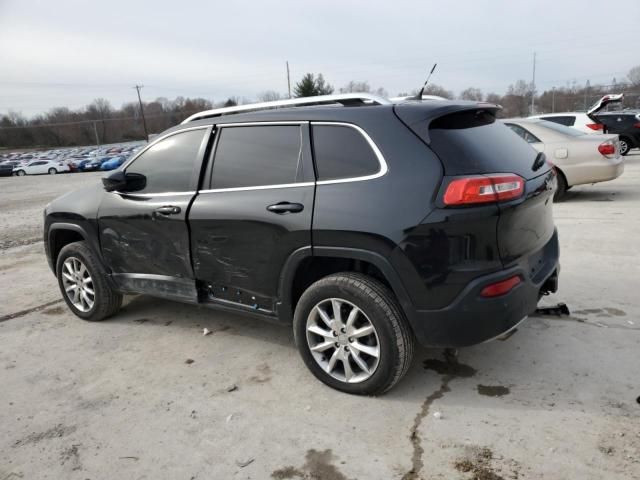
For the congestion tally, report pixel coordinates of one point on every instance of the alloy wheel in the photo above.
(78, 284)
(342, 340)
(624, 146)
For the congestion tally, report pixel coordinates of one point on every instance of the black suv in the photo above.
(626, 125)
(366, 226)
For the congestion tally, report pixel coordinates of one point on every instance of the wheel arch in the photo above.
(307, 265)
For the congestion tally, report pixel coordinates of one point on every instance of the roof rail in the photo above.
(343, 98)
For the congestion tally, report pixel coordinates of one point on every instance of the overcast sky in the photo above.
(68, 52)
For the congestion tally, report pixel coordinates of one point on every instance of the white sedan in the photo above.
(578, 158)
(36, 167)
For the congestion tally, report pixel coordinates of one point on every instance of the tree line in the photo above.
(100, 122)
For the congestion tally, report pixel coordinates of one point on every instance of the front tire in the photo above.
(83, 283)
(52, 171)
(352, 334)
(21, 173)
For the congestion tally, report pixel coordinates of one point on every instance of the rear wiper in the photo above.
(539, 161)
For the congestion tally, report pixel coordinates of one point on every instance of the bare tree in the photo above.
(634, 76)
(269, 96)
(471, 93)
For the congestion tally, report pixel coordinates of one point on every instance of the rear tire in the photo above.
(83, 283)
(561, 192)
(378, 327)
(52, 171)
(625, 146)
(21, 173)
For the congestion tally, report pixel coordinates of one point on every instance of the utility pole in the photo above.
(144, 122)
(533, 86)
(95, 130)
(553, 100)
(288, 80)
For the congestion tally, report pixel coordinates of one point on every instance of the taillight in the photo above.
(595, 126)
(483, 189)
(501, 287)
(637, 125)
(607, 148)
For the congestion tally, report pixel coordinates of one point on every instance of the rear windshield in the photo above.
(556, 127)
(472, 142)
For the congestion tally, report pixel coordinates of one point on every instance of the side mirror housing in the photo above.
(124, 182)
(115, 181)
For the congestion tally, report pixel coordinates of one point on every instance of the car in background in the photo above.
(586, 122)
(578, 158)
(6, 169)
(626, 124)
(40, 167)
(95, 163)
(113, 163)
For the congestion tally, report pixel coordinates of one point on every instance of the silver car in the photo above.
(579, 158)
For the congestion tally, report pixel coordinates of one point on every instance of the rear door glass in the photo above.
(568, 120)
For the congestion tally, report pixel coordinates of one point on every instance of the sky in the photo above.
(69, 52)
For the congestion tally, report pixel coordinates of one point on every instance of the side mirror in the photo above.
(115, 181)
(124, 182)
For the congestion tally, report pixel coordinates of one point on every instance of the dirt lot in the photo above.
(145, 395)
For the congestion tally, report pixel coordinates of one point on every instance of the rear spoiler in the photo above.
(418, 115)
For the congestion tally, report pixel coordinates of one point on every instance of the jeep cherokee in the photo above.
(366, 225)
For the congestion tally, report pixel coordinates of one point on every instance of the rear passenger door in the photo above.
(255, 209)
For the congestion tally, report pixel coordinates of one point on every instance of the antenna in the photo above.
(419, 95)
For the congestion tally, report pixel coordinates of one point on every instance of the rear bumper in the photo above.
(595, 172)
(472, 319)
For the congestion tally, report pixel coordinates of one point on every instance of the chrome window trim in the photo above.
(160, 194)
(381, 160)
(258, 124)
(259, 187)
(159, 139)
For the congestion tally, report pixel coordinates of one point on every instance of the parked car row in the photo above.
(81, 159)
(624, 123)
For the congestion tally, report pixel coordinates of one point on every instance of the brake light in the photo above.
(595, 126)
(607, 148)
(501, 287)
(484, 189)
(636, 125)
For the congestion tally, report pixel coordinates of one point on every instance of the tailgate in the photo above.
(526, 224)
(472, 142)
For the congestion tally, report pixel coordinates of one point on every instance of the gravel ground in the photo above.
(146, 395)
(23, 200)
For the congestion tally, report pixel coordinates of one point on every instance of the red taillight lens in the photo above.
(637, 125)
(595, 126)
(607, 148)
(484, 189)
(502, 287)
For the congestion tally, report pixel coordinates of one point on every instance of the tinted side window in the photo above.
(342, 152)
(568, 120)
(168, 165)
(257, 156)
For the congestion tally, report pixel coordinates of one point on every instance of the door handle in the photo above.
(167, 210)
(285, 207)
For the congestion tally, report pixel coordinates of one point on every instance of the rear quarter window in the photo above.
(342, 152)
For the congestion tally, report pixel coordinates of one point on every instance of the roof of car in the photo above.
(422, 111)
